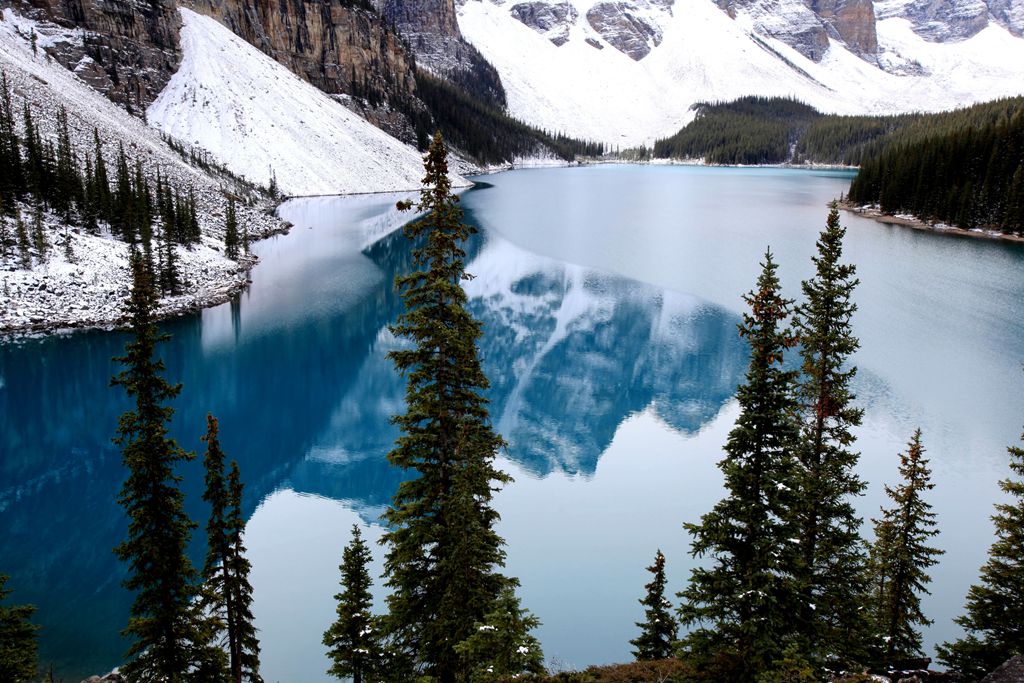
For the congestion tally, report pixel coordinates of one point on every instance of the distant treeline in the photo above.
(750, 130)
(773, 130)
(481, 130)
(970, 177)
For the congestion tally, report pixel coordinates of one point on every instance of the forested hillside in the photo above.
(970, 177)
(760, 130)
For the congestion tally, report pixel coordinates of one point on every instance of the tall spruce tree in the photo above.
(354, 641)
(443, 552)
(170, 635)
(901, 556)
(831, 618)
(995, 611)
(18, 663)
(658, 630)
(742, 601)
(227, 594)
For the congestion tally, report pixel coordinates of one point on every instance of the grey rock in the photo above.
(552, 21)
(624, 29)
(1011, 671)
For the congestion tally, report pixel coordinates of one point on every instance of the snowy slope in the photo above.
(90, 290)
(258, 118)
(601, 93)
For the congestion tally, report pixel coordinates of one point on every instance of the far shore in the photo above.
(905, 220)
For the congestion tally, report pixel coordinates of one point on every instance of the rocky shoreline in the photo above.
(875, 213)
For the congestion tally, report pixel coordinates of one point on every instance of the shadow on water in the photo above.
(305, 404)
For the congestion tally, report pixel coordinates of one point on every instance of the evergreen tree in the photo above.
(995, 612)
(42, 246)
(831, 619)
(742, 602)
(171, 636)
(102, 181)
(502, 646)
(17, 640)
(443, 552)
(353, 640)
(228, 594)
(900, 556)
(231, 231)
(170, 281)
(658, 630)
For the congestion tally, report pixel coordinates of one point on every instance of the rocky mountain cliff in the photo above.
(128, 48)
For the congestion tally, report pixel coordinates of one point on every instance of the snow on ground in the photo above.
(91, 290)
(258, 118)
(602, 94)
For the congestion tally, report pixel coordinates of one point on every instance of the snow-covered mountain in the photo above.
(262, 120)
(627, 71)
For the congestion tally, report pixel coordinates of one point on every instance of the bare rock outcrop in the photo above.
(625, 28)
(552, 21)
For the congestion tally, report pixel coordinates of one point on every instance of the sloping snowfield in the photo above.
(602, 94)
(258, 118)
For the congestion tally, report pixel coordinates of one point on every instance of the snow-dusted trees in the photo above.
(741, 602)
(353, 640)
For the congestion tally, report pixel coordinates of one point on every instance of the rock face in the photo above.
(1011, 671)
(626, 27)
(852, 20)
(431, 29)
(552, 21)
(129, 48)
(807, 26)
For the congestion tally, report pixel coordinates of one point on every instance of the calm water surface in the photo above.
(610, 297)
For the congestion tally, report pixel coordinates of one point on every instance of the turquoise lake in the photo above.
(610, 297)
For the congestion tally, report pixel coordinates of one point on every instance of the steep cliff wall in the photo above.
(128, 48)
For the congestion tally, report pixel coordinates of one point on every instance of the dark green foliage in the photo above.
(231, 231)
(995, 612)
(17, 640)
(901, 556)
(486, 133)
(443, 552)
(750, 130)
(501, 646)
(741, 602)
(169, 632)
(970, 177)
(227, 595)
(658, 630)
(39, 242)
(831, 620)
(354, 641)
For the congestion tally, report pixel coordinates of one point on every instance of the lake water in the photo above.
(610, 297)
